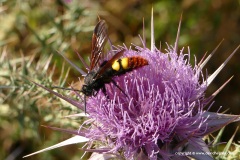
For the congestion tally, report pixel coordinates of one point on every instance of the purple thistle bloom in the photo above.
(165, 100)
(164, 114)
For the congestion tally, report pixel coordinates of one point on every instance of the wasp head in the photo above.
(87, 90)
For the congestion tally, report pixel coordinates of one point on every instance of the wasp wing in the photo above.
(109, 63)
(98, 41)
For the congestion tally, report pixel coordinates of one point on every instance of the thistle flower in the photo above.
(162, 113)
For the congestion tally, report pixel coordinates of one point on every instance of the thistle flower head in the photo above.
(160, 111)
(163, 99)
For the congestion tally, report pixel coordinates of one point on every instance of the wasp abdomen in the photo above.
(128, 63)
(135, 62)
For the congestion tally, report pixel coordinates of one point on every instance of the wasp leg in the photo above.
(119, 88)
(105, 92)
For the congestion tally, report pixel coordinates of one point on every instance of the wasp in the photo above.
(101, 71)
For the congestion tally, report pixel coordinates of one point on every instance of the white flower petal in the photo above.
(73, 140)
(77, 115)
(103, 156)
(211, 78)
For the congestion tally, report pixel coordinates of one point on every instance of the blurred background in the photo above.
(32, 31)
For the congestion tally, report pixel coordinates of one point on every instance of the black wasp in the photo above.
(102, 73)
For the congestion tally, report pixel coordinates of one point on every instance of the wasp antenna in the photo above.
(85, 104)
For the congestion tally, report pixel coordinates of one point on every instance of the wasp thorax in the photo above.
(89, 78)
